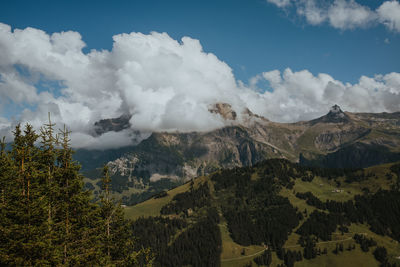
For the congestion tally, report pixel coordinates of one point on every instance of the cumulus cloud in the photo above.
(389, 14)
(164, 84)
(104, 141)
(303, 96)
(344, 14)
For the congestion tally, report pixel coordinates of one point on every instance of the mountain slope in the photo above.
(271, 204)
(338, 139)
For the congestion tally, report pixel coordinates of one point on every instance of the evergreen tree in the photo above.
(75, 218)
(22, 223)
(46, 218)
(116, 233)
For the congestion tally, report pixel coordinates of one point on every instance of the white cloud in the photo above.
(313, 13)
(280, 3)
(303, 96)
(166, 85)
(13, 88)
(349, 15)
(345, 14)
(389, 14)
(105, 141)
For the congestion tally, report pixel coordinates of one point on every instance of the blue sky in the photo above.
(252, 36)
(286, 60)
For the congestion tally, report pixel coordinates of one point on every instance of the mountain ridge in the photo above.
(319, 142)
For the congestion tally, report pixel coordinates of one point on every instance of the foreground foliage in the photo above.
(47, 219)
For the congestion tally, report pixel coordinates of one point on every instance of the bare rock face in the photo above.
(223, 109)
(332, 139)
(114, 124)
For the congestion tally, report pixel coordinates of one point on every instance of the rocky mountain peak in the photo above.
(335, 115)
(335, 109)
(224, 110)
(113, 124)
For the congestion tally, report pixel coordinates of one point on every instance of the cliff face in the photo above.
(188, 155)
(338, 139)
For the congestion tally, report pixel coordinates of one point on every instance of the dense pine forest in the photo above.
(48, 219)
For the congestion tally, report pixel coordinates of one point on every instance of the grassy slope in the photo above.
(153, 206)
(320, 187)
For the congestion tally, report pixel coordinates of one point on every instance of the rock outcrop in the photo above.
(114, 124)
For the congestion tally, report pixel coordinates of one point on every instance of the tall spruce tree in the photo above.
(116, 233)
(75, 215)
(49, 142)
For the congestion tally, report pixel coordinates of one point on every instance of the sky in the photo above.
(166, 62)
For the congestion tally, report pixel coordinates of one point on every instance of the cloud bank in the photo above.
(300, 95)
(344, 14)
(165, 84)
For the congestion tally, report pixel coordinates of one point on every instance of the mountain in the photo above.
(335, 115)
(114, 124)
(276, 212)
(337, 139)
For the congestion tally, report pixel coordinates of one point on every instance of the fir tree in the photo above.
(116, 233)
(75, 215)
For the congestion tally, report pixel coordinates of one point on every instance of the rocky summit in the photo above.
(114, 124)
(335, 115)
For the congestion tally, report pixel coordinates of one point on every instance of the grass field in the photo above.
(324, 189)
(153, 206)
(230, 249)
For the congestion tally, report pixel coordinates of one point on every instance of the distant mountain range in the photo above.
(336, 140)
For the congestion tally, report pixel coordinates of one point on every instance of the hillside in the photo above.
(163, 160)
(276, 212)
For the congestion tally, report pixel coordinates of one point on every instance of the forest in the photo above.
(46, 216)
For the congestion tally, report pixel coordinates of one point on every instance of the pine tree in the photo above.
(48, 161)
(75, 215)
(116, 233)
(107, 211)
(34, 208)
